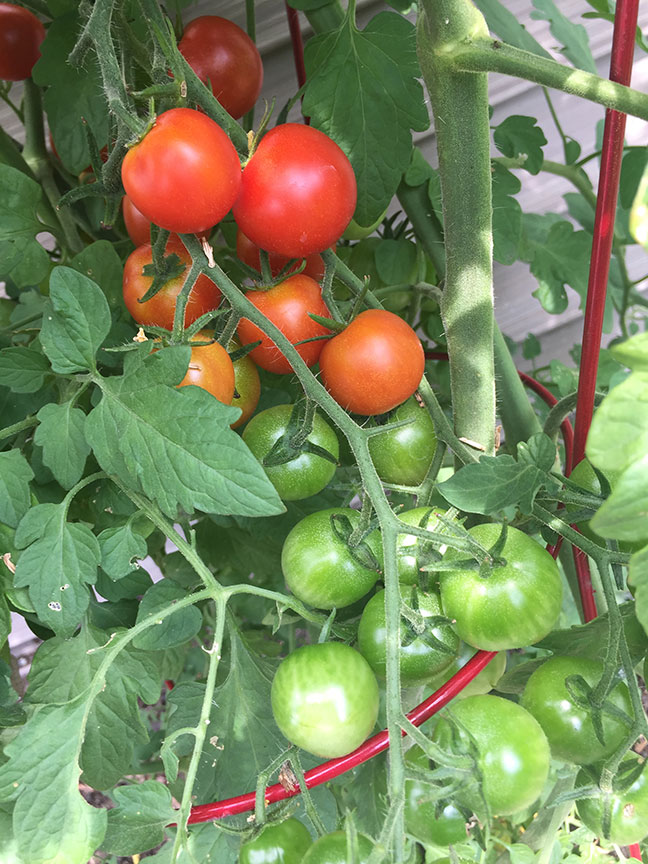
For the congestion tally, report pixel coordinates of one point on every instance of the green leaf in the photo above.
(11, 711)
(521, 136)
(51, 821)
(531, 347)
(507, 216)
(22, 369)
(75, 322)
(137, 823)
(121, 548)
(349, 73)
(100, 262)
(57, 568)
(507, 26)
(618, 436)
(396, 261)
(639, 212)
(61, 435)
(633, 352)
(73, 96)
(176, 446)
(15, 494)
(573, 37)
(174, 630)
(638, 576)
(623, 516)
(24, 260)
(62, 671)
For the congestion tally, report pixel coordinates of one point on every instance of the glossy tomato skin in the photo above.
(512, 750)
(418, 660)
(319, 567)
(404, 455)
(426, 818)
(332, 849)
(185, 173)
(247, 387)
(281, 843)
(210, 367)
(304, 476)
(373, 365)
(298, 192)
(409, 546)
(629, 822)
(515, 605)
(248, 252)
(325, 699)
(287, 305)
(568, 727)
(482, 683)
(220, 53)
(21, 34)
(137, 225)
(160, 309)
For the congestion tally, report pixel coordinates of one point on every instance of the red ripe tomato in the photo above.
(375, 364)
(287, 305)
(137, 225)
(220, 53)
(159, 310)
(248, 252)
(210, 367)
(185, 173)
(298, 192)
(21, 34)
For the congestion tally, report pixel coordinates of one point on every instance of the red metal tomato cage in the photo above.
(625, 24)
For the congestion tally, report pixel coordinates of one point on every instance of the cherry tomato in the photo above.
(325, 699)
(303, 476)
(223, 56)
(375, 364)
(160, 309)
(404, 455)
(515, 605)
(281, 843)
(409, 563)
(137, 225)
(185, 173)
(247, 387)
(248, 252)
(21, 34)
(512, 751)
(333, 849)
(427, 818)
(419, 657)
(210, 367)
(298, 192)
(320, 568)
(287, 306)
(482, 683)
(629, 807)
(568, 727)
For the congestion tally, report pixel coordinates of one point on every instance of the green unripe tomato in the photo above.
(482, 683)
(408, 546)
(512, 750)
(629, 823)
(355, 231)
(426, 818)
(404, 455)
(325, 699)
(304, 476)
(568, 727)
(332, 849)
(419, 660)
(320, 568)
(282, 843)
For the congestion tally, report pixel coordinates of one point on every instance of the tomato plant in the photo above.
(333, 849)
(248, 252)
(210, 367)
(404, 455)
(224, 57)
(321, 567)
(247, 387)
(21, 34)
(185, 174)
(137, 225)
(409, 546)
(160, 309)
(298, 192)
(628, 805)
(325, 698)
(283, 843)
(288, 305)
(429, 819)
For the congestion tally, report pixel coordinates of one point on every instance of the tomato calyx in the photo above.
(295, 441)
(354, 540)
(583, 696)
(420, 626)
(163, 268)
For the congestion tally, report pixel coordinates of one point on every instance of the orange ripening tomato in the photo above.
(248, 387)
(210, 367)
(287, 306)
(248, 252)
(160, 309)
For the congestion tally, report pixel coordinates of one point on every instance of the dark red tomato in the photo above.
(137, 225)
(247, 387)
(287, 306)
(629, 806)
(325, 699)
(568, 727)
(220, 53)
(427, 818)
(298, 192)
(373, 365)
(404, 455)
(160, 309)
(185, 173)
(333, 849)
(21, 34)
(210, 367)
(282, 843)
(419, 657)
(248, 252)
